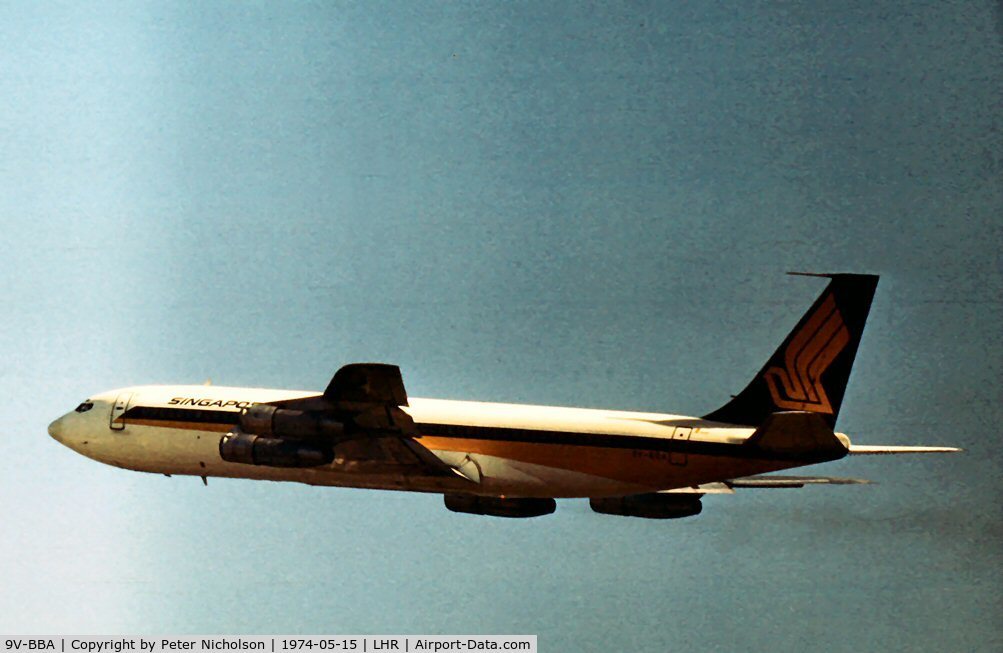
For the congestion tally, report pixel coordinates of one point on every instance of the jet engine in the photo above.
(274, 422)
(499, 507)
(252, 449)
(649, 506)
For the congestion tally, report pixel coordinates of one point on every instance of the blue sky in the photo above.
(560, 203)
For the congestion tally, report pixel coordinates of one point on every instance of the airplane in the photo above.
(498, 459)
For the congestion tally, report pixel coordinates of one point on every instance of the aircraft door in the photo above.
(681, 434)
(118, 409)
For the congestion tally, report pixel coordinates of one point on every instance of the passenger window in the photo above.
(84, 407)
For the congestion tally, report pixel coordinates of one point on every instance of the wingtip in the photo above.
(809, 274)
(877, 450)
(833, 275)
(840, 480)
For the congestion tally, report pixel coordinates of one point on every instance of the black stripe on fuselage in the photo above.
(197, 415)
(492, 433)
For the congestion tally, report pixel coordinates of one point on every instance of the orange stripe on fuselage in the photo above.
(655, 469)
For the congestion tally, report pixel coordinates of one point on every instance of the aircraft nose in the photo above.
(56, 430)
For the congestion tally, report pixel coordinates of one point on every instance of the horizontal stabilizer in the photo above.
(880, 449)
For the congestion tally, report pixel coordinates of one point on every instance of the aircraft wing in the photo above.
(721, 487)
(765, 481)
(768, 481)
(391, 454)
(355, 388)
(379, 436)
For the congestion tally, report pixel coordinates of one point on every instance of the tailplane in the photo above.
(810, 370)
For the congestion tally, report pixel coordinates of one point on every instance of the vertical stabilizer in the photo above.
(810, 370)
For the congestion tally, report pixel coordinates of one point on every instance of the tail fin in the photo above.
(810, 369)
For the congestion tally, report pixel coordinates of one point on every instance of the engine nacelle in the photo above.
(649, 506)
(251, 449)
(275, 422)
(498, 507)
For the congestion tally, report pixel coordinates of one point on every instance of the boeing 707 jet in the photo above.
(497, 459)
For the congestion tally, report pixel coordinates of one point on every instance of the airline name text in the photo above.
(204, 402)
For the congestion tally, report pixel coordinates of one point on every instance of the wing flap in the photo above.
(392, 453)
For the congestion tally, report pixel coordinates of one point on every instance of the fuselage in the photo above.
(508, 449)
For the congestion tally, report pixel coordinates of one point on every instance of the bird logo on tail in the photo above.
(798, 385)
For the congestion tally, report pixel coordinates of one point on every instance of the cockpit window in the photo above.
(84, 407)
